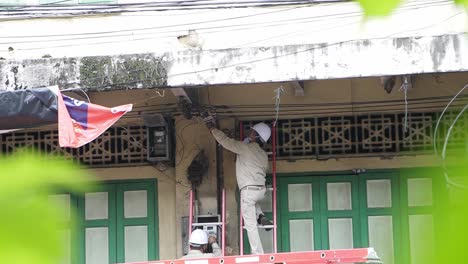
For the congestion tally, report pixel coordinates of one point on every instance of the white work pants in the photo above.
(250, 212)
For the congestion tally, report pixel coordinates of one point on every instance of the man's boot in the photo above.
(262, 220)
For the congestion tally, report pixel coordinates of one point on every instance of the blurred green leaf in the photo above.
(461, 2)
(379, 7)
(452, 219)
(30, 222)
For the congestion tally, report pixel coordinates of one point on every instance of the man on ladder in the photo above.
(251, 167)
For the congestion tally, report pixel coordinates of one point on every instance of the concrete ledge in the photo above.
(91, 73)
(356, 58)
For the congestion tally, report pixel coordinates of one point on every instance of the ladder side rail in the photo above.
(241, 223)
(275, 226)
(358, 255)
(223, 220)
(190, 214)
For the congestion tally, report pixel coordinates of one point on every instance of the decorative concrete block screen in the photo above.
(310, 138)
(363, 135)
(117, 146)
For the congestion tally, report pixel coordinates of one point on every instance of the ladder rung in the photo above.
(208, 224)
(263, 226)
(266, 226)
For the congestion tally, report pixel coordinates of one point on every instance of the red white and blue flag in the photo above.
(80, 122)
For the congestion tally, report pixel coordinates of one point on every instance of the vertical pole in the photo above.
(273, 169)
(241, 223)
(190, 214)
(223, 234)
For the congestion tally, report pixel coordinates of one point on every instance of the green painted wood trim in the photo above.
(283, 227)
(80, 248)
(115, 206)
(74, 232)
(153, 227)
(393, 211)
(80, 231)
(120, 232)
(149, 221)
(316, 209)
(97, 223)
(363, 211)
(112, 224)
(398, 249)
(355, 190)
(353, 213)
(286, 215)
(405, 244)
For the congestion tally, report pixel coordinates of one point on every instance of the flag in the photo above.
(80, 122)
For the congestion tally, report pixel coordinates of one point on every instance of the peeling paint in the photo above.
(406, 43)
(456, 47)
(91, 73)
(122, 72)
(439, 50)
(360, 58)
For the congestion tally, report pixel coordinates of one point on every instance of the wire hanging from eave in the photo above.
(77, 89)
(405, 87)
(278, 92)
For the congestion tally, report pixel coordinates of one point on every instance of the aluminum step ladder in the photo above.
(221, 226)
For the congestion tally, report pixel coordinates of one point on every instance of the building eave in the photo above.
(347, 59)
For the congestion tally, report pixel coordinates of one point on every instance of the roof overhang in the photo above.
(191, 68)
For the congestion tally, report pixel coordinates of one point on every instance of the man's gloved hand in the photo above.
(209, 120)
(212, 239)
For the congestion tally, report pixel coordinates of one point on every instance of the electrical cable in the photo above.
(291, 113)
(308, 108)
(204, 30)
(84, 9)
(155, 27)
(320, 17)
(88, 13)
(447, 137)
(236, 64)
(382, 102)
(436, 129)
(444, 151)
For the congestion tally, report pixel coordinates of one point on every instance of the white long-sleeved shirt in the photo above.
(251, 163)
(193, 253)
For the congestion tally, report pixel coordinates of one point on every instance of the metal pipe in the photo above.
(190, 214)
(241, 223)
(273, 170)
(223, 217)
(219, 178)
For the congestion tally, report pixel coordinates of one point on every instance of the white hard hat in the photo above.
(198, 237)
(263, 131)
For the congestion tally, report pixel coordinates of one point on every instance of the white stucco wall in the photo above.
(244, 45)
(154, 32)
